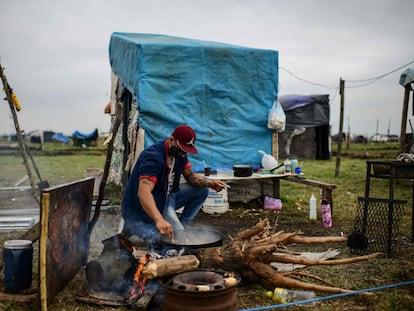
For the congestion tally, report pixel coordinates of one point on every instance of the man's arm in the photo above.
(149, 206)
(199, 180)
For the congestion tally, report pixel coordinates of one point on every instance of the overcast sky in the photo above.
(55, 53)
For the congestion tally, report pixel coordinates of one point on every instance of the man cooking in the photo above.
(154, 193)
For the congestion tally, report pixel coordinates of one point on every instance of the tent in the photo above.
(84, 139)
(307, 128)
(223, 91)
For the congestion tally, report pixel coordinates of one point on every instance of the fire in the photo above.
(139, 281)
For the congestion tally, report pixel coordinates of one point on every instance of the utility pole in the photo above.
(341, 124)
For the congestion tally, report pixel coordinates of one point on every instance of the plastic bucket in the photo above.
(216, 202)
(17, 257)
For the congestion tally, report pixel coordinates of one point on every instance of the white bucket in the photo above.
(216, 202)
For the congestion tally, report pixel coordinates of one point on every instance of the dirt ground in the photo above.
(238, 218)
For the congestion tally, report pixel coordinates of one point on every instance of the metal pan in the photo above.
(194, 238)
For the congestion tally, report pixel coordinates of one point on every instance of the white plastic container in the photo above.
(312, 208)
(216, 202)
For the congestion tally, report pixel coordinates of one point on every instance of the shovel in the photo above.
(358, 239)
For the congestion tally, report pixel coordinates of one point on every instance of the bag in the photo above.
(277, 118)
(272, 203)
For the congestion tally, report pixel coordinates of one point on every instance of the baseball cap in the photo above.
(185, 137)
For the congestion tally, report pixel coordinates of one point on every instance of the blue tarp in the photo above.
(60, 137)
(79, 135)
(223, 91)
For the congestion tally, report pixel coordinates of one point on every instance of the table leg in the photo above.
(276, 187)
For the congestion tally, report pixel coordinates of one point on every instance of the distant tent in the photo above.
(82, 139)
(307, 127)
(60, 138)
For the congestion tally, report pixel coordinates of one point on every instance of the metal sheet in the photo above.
(65, 214)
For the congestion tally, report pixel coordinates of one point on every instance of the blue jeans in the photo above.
(191, 198)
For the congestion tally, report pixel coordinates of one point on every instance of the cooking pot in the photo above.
(242, 170)
(194, 238)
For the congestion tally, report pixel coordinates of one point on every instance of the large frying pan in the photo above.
(193, 238)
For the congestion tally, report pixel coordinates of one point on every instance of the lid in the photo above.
(17, 244)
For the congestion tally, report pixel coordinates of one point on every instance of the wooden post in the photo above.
(404, 118)
(8, 92)
(275, 145)
(341, 122)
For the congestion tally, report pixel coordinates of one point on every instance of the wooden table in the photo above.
(275, 178)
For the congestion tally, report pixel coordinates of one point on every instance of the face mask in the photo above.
(175, 152)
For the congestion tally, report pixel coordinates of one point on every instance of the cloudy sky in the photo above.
(55, 53)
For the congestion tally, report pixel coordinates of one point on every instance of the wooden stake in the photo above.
(8, 92)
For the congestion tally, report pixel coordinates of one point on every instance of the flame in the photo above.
(139, 281)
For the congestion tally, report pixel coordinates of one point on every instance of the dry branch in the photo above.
(252, 252)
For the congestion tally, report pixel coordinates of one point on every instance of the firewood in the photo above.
(170, 266)
(252, 252)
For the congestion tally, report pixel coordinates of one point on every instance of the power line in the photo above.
(381, 76)
(366, 81)
(307, 81)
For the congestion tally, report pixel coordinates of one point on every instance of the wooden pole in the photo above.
(404, 118)
(341, 124)
(8, 92)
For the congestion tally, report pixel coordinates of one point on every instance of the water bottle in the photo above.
(326, 214)
(293, 165)
(288, 166)
(283, 295)
(312, 207)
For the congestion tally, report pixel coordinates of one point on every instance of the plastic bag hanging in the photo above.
(277, 118)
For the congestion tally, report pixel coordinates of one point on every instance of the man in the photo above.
(153, 193)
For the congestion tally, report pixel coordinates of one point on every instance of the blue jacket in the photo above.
(153, 163)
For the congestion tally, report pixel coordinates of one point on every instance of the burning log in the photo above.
(252, 251)
(169, 266)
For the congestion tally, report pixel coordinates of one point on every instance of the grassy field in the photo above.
(59, 164)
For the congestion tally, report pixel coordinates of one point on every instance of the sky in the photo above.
(55, 53)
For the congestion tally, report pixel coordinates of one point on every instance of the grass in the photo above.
(64, 163)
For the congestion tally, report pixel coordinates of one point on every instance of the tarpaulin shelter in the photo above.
(407, 81)
(84, 139)
(223, 91)
(307, 127)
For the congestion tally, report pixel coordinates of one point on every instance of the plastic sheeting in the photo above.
(93, 135)
(407, 77)
(223, 91)
(305, 110)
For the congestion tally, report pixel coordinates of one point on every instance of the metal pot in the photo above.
(194, 238)
(242, 170)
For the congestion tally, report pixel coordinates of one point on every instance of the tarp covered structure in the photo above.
(307, 128)
(305, 110)
(223, 91)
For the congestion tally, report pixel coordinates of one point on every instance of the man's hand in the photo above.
(165, 228)
(216, 184)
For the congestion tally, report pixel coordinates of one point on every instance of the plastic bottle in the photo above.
(312, 207)
(288, 166)
(293, 165)
(283, 295)
(326, 214)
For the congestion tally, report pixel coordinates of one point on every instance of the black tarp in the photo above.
(305, 110)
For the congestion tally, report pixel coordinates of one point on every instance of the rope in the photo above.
(278, 306)
(406, 157)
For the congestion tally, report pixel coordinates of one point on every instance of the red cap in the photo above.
(185, 137)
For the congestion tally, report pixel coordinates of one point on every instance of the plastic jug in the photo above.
(268, 161)
(312, 207)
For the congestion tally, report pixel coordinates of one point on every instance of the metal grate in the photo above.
(376, 226)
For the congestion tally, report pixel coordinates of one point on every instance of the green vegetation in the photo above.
(59, 164)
